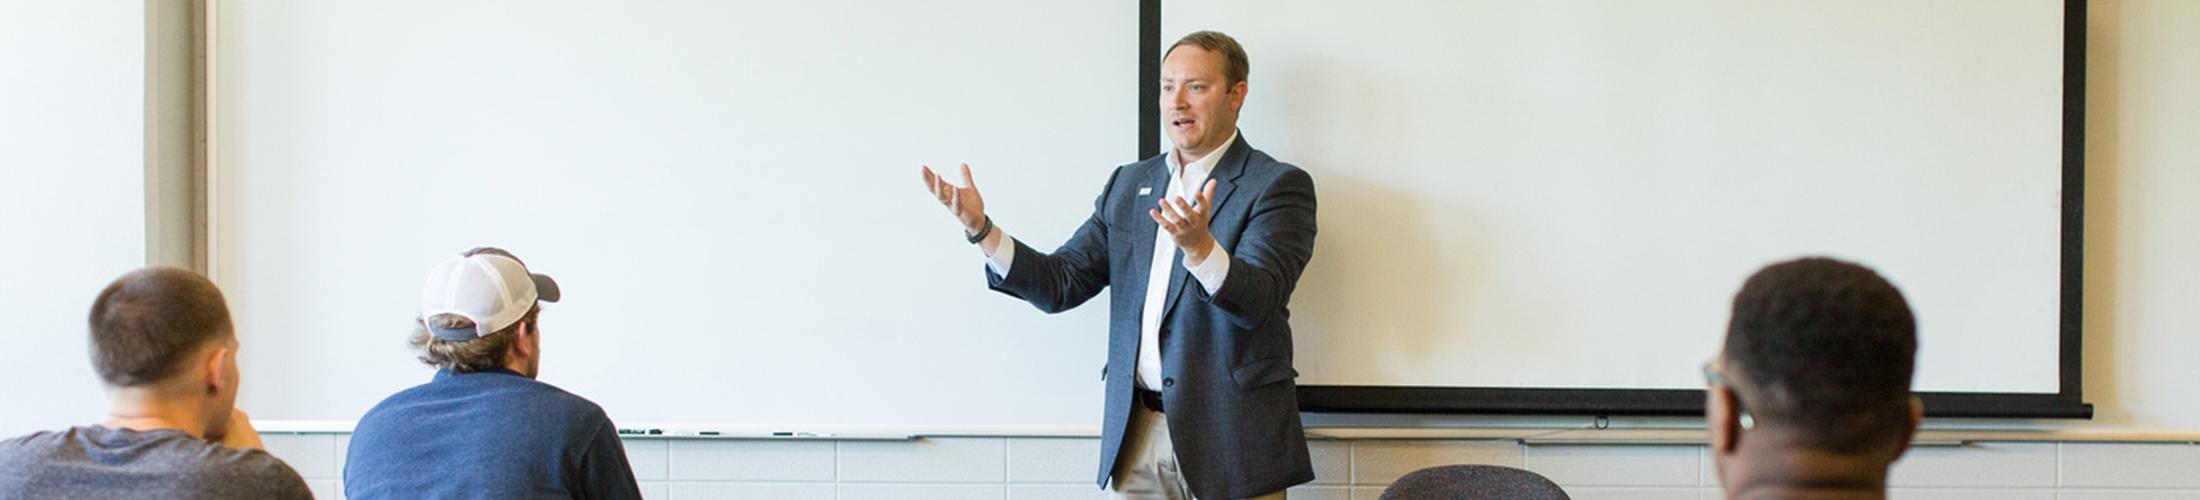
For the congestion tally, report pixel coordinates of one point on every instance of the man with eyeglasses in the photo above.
(1810, 397)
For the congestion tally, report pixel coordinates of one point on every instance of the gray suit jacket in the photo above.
(1232, 404)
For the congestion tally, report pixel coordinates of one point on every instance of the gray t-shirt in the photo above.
(93, 462)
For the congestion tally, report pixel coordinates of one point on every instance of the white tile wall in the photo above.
(1319, 492)
(2127, 495)
(1967, 494)
(1988, 465)
(984, 468)
(1629, 493)
(1608, 465)
(1332, 461)
(753, 460)
(1055, 492)
(944, 460)
(1383, 461)
(1053, 460)
(2123, 465)
(651, 460)
(995, 491)
(305, 452)
(709, 491)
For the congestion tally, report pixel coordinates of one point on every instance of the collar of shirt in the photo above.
(447, 373)
(1197, 171)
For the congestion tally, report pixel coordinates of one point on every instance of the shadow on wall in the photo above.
(1377, 272)
(2103, 159)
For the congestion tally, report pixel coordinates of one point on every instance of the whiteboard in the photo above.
(1560, 195)
(727, 191)
(1567, 194)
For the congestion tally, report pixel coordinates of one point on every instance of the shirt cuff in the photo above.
(1213, 271)
(1000, 257)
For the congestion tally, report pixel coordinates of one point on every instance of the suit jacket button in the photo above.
(1168, 382)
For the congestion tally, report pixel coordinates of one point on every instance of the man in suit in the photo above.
(1810, 397)
(1201, 248)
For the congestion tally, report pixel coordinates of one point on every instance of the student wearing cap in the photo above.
(483, 427)
(163, 345)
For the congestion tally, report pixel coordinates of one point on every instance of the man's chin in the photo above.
(1191, 143)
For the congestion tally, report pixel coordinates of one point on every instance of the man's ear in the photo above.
(212, 367)
(1909, 430)
(1725, 424)
(524, 340)
(1237, 96)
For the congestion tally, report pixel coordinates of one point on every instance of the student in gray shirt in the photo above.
(163, 344)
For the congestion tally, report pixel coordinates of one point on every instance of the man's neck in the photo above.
(1185, 158)
(1768, 472)
(144, 410)
(520, 366)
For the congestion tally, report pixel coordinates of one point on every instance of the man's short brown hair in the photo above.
(470, 355)
(1234, 63)
(145, 323)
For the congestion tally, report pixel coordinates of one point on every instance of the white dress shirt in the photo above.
(1185, 181)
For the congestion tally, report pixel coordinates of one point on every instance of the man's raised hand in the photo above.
(962, 201)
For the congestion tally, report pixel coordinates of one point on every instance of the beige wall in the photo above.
(2142, 301)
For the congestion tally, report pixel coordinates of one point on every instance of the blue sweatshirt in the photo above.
(488, 435)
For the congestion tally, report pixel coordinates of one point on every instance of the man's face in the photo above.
(1198, 106)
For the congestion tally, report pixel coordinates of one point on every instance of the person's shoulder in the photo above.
(1130, 172)
(225, 471)
(31, 447)
(1264, 170)
(245, 464)
(1259, 161)
(257, 472)
(392, 402)
(567, 403)
(34, 440)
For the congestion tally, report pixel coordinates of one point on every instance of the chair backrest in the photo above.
(1473, 482)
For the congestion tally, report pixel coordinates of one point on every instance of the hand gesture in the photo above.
(963, 201)
(1186, 221)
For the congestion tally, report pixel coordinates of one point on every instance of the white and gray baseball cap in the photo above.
(488, 286)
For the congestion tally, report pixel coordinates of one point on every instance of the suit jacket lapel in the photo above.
(1142, 227)
(1225, 176)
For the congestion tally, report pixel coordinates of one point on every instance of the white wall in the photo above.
(72, 212)
(2142, 301)
(971, 468)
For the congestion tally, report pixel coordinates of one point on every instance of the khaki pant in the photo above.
(1149, 470)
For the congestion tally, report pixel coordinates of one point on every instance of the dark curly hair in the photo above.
(1825, 346)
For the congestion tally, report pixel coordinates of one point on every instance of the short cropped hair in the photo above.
(147, 323)
(1235, 66)
(1826, 346)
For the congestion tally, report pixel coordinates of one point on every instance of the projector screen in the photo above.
(1515, 199)
(1565, 195)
